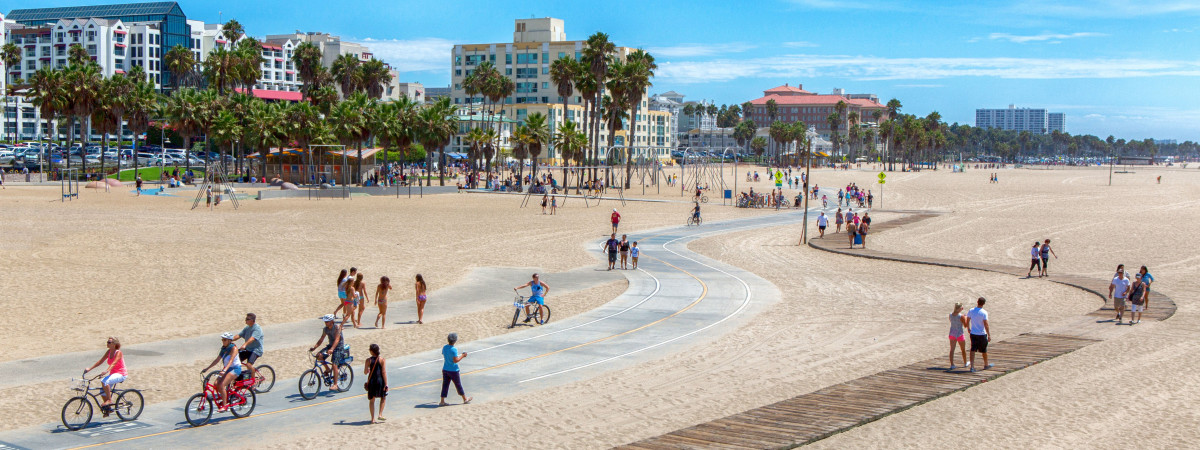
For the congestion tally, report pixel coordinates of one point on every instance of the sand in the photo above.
(840, 317)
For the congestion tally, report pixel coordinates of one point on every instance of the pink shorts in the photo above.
(958, 338)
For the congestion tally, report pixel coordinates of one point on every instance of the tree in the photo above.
(562, 73)
(374, 76)
(538, 137)
(47, 94)
(439, 124)
(184, 111)
(779, 134)
(758, 145)
(141, 103)
(247, 64)
(520, 151)
(893, 107)
(345, 72)
(10, 54)
(111, 101)
(78, 56)
(571, 142)
(640, 67)
(218, 68)
(181, 64)
(597, 54)
(82, 83)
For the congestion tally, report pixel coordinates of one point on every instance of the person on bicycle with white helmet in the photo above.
(231, 367)
(333, 331)
(538, 291)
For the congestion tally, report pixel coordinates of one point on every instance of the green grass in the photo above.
(150, 173)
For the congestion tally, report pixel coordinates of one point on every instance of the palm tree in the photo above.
(226, 128)
(520, 151)
(744, 132)
(247, 64)
(307, 57)
(111, 103)
(78, 56)
(185, 110)
(82, 82)
(141, 103)
(539, 136)
(301, 125)
(614, 113)
(232, 30)
(439, 124)
(46, 93)
(10, 54)
(779, 134)
(345, 71)
(772, 111)
(181, 63)
(375, 76)
(893, 108)
(264, 128)
(746, 109)
(758, 145)
(563, 72)
(596, 56)
(640, 66)
(218, 68)
(571, 142)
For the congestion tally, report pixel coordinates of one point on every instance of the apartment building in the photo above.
(1056, 122)
(526, 60)
(1033, 120)
(794, 104)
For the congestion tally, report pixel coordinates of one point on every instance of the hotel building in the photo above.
(1033, 120)
(794, 104)
(526, 60)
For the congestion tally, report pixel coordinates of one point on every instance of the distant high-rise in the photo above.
(1033, 120)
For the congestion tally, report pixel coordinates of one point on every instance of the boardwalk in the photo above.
(814, 416)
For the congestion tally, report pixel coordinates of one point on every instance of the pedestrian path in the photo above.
(834, 409)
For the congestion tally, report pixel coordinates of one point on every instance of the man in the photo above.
(611, 246)
(981, 333)
(139, 185)
(616, 219)
(1138, 298)
(822, 222)
(333, 351)
(251, 348)
(1117, 292)
(696, 213)
(1046, 252)
(537, 294)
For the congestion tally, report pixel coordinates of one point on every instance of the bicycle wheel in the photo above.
(129, 404)
(77, 413)
(516, 317)
(544, 315)
(198, 410)
(704, 199)
(310, 384)
(345, 375)
(265, 379)
(244, 405)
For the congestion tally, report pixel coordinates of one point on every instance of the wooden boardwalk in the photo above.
(817, 415)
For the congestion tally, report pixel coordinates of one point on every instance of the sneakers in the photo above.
(527, 319)
(952, 367)
(967, 364)
(973, 370)
(989, 366)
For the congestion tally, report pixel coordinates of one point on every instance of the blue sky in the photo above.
(1127, 68)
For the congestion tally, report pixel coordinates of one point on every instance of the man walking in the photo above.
(1116, 292)
(981, 333)
(611, 246)
(616, 220)
(822, 222)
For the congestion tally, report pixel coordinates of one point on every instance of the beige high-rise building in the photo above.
(526, 60)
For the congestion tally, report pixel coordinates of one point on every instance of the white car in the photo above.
(6, 156)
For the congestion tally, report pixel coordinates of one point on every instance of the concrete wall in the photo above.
(335, 193)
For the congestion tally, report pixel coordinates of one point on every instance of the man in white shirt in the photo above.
(822, 222)
(1116, 292)
(981, 333)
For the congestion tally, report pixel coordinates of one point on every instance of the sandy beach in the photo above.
(154, 270)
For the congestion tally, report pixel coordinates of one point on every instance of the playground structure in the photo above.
(700, 171)
(69, 180)
(314, 175)
(214, 176)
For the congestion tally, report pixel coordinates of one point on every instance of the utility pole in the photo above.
(807, 165)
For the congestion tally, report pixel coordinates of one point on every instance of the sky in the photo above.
(1125, 68)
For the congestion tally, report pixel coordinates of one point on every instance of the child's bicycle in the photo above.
(241, 401)
(324, 372)
(77, 412)
(264, 377)
(520, 303)
(693, 220)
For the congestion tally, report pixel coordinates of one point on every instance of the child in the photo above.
(553, 205)
(957, 321)
(634, 253)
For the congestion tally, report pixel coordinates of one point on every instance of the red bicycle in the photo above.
(199, 407)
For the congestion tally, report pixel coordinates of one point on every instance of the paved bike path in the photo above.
(677, 299)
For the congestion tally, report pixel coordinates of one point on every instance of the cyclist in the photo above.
(538, 291)
(116, 372)
(231, 368)
(333, 331)
(696, 213)
(698, 192)
(251, 348)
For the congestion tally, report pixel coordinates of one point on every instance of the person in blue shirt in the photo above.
(450, 371)
(538, 291)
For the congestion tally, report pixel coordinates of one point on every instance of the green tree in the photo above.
(181, 64)
(10, 54)
(438, 124)
(640, 67)
(140, 105)
(758, 145)
(538, 137)
(347, 74)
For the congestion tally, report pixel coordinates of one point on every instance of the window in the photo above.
(474, 59)
(545, 70)
(32, 64)
(492, 58)
(545, 85)
(508, 72)
(458, 60)
(458, 72)
(508, 58)
(91, 49)
(59, 36)
(526, 72)
(527, 58)
(561, 55)
(525, 88)
(31, 52)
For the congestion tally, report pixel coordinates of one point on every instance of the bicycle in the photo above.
(693, 220)
(77, 412)
(323, 371)
(240, 401)
(703, 199)
(264, 377)
(520, 303)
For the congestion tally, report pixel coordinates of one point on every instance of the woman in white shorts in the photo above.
(116, 372)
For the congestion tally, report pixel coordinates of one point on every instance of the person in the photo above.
(851, 232)
(1137, 299)
(825, 201)
(116, 372)
(624, 247)
(957, 322)
(381, 293)
(840, 195)
(231, 368)
(1160, 179)
(696, 213)
(450, 371)
(698, 193)
(138, 183)
(866, 219)
(981, 333)
(537, 294)
(1117, 292)
(553, 205)
(870, 199)
(822, 222)
(616, 220)
(375, 369)
(634, 252)
(251, 348)
(838, 221)
(208, 197)
(420, 287)
(345, 280)
(545, 201)
(1147, 279)
(333, 350)
(1046, 252)
(360, 299)
(862, 233)
(1036, 254)
(611, 245)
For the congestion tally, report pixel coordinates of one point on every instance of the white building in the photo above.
(1033, 120)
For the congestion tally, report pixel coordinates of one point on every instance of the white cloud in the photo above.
(1053, 38)
(413, 55)
(1105, 8)
(879, 68)
(694, 50)
(799, 44)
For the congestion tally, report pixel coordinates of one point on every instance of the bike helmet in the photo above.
(327, 318)
(228, 335)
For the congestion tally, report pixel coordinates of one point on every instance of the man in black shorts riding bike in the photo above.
(333, 351)
(251, 348)
(696, 213)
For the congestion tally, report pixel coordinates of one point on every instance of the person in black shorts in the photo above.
(612, 245)
(981, 333)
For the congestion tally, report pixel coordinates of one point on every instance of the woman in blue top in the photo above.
(538, 291)
(231, 368)
(450, 369)
(1147, 279)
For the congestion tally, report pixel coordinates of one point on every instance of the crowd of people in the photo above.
(1130, 294)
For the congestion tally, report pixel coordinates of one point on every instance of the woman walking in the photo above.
(381, 293)
(838, 220)
(116, 372)
(624, 252)
(851, 232)
(957, 322)
(862, 233)
(377, 383)
(450, 372)
(346, 294)
(545, 200)
(420, 288)
(360, 299)
(1036, 253)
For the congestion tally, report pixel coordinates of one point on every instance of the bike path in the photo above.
(476, 292)
(675, 300)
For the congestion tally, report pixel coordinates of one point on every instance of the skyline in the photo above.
(1114, 67)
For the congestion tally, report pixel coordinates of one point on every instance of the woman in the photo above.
(1147, 279)
(553, 205)
(862, 234)
(341, 291)
(450, 372)
(851, 232)
(545, 201)
(375, 370)
(346, 286)
(957, 322)
(231, 368)
(420, 287)
(838, 220)
(624, 252)
(381, 293)
(360, 299)
(1037, 260)
(116, 372)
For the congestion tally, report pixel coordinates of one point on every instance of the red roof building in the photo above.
(793, 104)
